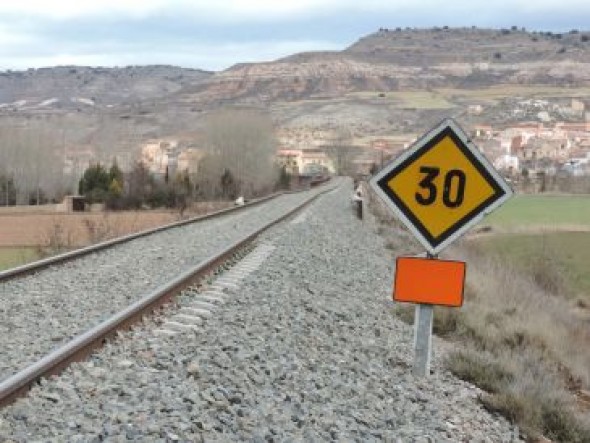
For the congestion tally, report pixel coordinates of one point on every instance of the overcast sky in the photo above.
(215, 34)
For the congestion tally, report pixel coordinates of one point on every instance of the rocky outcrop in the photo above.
(412, 59)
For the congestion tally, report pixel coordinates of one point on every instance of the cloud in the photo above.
(224, 10)
(67, 9)
(166, 39)
(10, 37)
(264, 10)
(215, 34)
(203, 56)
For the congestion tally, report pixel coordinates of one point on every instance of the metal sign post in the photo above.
(423, 339)
(423, 321)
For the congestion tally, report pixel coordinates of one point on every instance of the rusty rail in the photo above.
(84, 344)
(35, 266)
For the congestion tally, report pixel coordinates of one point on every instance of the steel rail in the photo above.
(35, 266)
(84, 344)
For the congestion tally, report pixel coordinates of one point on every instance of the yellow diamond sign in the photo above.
(441, 186)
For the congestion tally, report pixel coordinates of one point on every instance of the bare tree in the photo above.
(342, 152)
(29, 157)
(240, 142)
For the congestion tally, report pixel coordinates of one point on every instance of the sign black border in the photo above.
(434, 242)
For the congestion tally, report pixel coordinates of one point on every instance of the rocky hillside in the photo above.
(76, 87)
(402, 59)
(390, 59)
(368, 87)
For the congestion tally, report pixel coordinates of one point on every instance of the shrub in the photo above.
(512, 407)
(284, 179)
(229, 185)
(521, 346)
(552, 418)
(98, 230)
(57, 239)
(547, 274)
(477, 369)
(446, 321)
(94, 184)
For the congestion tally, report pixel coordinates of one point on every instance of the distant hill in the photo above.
(368, 87)
(79, 87)
(412, 59)
(425, 47)
(389, 59)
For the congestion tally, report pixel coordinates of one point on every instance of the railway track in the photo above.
(300, 344)
(59, 310)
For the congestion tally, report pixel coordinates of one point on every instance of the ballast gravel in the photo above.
(41, 312)
(306, 349)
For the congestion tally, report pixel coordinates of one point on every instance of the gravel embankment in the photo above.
(306, 349)
(40, 312)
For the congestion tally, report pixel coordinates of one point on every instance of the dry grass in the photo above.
(49, 234)
(11, 257)
(558, 261)
(520, 340)
(513, 307)
(55, 239)
(83, 228)
(523, 343)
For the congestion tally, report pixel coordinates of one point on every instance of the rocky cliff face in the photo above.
(412, 59)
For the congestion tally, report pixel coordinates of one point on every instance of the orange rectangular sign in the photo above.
(429, 281)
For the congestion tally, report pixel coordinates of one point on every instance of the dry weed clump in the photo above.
(525, 346)
(537, 401)
(99, 230)
(513, 311)
(108, 226)
(55, 240)
(547, 274)
(481, 369)
(520, 339)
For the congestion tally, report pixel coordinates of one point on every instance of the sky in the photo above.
(215, 34)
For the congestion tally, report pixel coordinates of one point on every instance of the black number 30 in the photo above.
(453, 187)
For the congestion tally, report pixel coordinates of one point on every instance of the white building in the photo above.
(159, 155)
(506, 161)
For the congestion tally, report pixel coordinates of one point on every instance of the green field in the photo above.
(561, 257)
(408, 99)
(445, 98)
(524, 212)
(544, 235)
(11, 257)
(503, 91)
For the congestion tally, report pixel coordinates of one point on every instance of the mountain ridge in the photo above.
(386, 60)
(412, 59)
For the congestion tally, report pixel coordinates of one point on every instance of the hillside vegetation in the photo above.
(522, 334)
